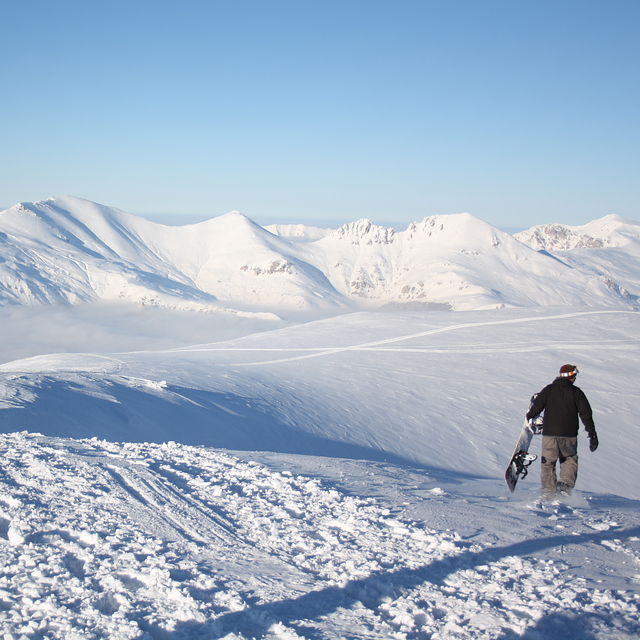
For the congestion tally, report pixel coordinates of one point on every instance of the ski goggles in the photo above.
(570, 374)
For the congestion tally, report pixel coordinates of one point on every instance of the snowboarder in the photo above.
(562, 403)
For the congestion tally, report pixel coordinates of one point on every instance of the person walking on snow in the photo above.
(562, 403)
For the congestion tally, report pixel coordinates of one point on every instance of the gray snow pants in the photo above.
(566, 451)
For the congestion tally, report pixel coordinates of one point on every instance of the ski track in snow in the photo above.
(157, 541)
(381, 344)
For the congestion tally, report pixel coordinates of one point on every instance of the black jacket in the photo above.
(562, 403)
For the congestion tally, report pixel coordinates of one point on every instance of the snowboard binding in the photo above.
(521, 462)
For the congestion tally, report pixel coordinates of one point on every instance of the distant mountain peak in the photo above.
(610, 231)
(364, 232)
(235, 214)
(557, 237)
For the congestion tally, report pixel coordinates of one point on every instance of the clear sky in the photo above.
(321, 111)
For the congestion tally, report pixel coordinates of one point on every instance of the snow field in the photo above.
(139, 541)
(441, 390)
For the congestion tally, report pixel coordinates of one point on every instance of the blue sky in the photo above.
(519, 112)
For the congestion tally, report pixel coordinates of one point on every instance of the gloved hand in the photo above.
(593, 442)
(535, 424)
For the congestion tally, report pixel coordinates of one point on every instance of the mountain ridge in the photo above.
(608, 248)
(69, 250)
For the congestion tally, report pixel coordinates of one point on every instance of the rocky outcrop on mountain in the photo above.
(557, 237)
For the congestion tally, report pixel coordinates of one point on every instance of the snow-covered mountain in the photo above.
(456, 261)
(610, 231)
(68, 250)
(298, 232)
(606, 248)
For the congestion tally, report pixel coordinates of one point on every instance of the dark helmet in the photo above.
(568, 371)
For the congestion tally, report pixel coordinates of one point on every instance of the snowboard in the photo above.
(521, 458)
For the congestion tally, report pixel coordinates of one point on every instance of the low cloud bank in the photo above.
(103, 327)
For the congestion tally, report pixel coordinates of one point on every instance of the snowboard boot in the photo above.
(564, 489)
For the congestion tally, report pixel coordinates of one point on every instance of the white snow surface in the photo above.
(69, 250)
(286, 465)
(336, 479)
(299, 232)
(138, 541)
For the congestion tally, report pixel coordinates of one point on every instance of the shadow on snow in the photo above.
(300, 612)
(83, 407)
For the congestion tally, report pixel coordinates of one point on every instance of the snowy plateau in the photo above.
(225, 431)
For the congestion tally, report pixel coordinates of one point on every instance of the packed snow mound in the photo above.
(69, 250)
